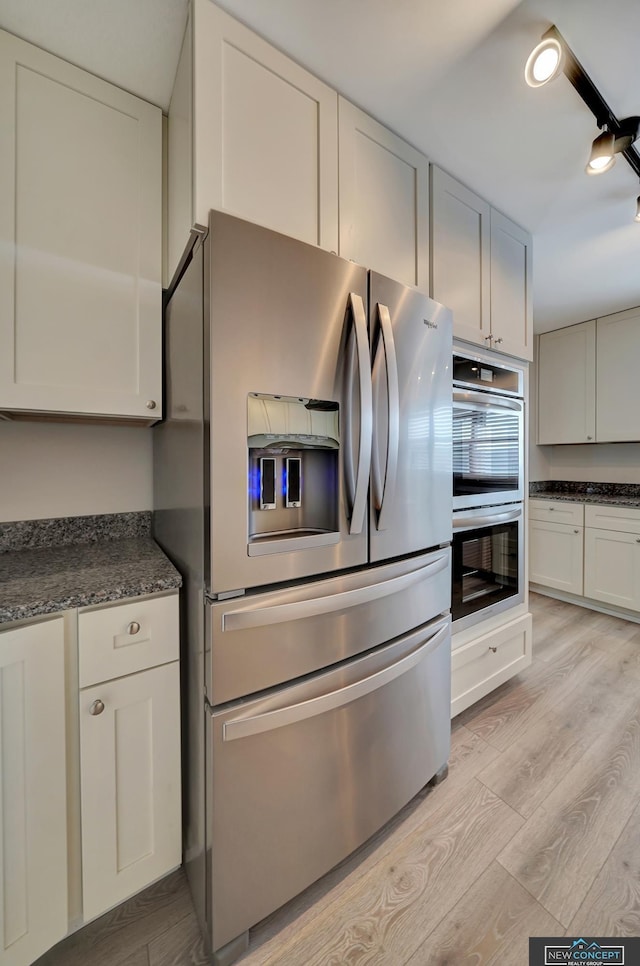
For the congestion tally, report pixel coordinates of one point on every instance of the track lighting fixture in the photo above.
(638, 208)
(544, 63)
(603, 153)
(553, 56)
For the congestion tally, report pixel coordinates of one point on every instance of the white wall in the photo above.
(59, 470)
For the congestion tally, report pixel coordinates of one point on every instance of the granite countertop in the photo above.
(94, 560)
(607, 494)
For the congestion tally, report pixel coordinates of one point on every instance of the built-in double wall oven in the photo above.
(488, 486)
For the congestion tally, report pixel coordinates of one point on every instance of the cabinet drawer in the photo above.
(624, 518)
(482, 665)
(557, 511)
(115, 641)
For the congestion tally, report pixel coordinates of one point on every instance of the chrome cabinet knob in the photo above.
(551, 509)
(493, 649)
(499, 341)
(577, 531)
(97, 707)
(637, 539)
(151, 404)
(488, 338)
(133, 627)
(589, 437)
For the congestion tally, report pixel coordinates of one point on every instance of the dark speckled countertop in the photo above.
(610, 494)
(52, 565)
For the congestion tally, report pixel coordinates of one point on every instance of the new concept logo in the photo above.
(430, 325)
(576, 951)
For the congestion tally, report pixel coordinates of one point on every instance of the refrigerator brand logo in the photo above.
(430, 325)
(575, 951)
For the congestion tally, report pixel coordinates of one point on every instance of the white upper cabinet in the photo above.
(384, 199)
(511, 288)
(33, 805)
(566, 385)
(264, 135)
(480, 268)
(618, 398)
(80, 241)
(460, 271)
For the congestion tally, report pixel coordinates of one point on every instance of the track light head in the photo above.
(544, 62)
(637, 218)
(603, 154)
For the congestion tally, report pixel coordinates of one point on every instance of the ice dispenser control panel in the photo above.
(293, 448)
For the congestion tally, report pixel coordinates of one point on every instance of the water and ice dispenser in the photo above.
(293, 448)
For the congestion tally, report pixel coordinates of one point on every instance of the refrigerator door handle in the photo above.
(385, 485)
(305, 609)
(359, 503)
(312, 706)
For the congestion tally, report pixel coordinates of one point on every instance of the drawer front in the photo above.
(556, 511)
(482, 665)
(115, 641)
(623, 518)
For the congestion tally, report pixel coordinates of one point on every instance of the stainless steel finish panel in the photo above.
(418, 514)
(295, 795)
(278, 324)
(261, 640)
(179, 527)
(501, 376)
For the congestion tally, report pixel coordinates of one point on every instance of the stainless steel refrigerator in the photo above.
(303, 487)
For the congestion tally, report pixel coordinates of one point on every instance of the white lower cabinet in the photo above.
(555, 555)
(481, 665)
(33, 806)
(130, 782)
(556, 544)
(90, 799)
(612, 567)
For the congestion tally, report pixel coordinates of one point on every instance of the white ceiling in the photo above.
(447, 76)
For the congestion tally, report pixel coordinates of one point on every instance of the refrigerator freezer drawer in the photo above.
(257, 642)
(302, 777)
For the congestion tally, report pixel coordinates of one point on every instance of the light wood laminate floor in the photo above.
(534, 832)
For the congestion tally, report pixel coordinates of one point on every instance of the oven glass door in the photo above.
(487, 449)
(486, 568)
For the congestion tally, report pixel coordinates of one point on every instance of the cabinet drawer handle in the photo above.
(551, 509)
(577, 531)
(133, 627)
(492, 649)
(488, 338)
(589, 437)
(499, 341)
(97, 707)
(637, 539)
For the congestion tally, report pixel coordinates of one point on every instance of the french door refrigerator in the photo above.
(303, 487)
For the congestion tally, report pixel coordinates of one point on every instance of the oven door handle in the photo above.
(470, 523)
(487, 402)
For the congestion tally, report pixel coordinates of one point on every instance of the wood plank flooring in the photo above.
(534, 832)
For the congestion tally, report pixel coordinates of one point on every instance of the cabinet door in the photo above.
(384, 199)
(80, 240)
(612, 567)
(566, 385)
(33, 817)
(460, 253)
(130, 785)
(265, 133)
(618, 400)
(511, 288)
(555, 555)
